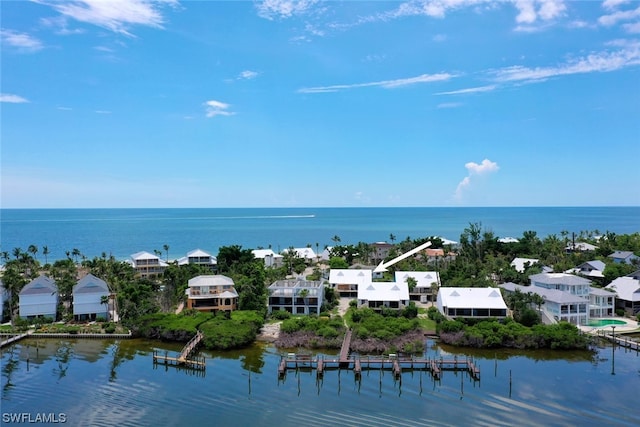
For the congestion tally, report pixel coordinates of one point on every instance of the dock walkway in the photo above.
(391, 362)
(184, 359)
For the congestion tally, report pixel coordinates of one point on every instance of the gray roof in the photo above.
(553, 295)
(40, 285)
(90, 284)
(595, 264)
(621, 254)
(559, 279)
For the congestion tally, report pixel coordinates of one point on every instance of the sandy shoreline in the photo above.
(269, 332)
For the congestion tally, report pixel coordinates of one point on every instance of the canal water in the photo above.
(114, 382)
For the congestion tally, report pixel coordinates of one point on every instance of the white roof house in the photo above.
(211, 293)
(520, 263)
(508, 240)
(383, 294)
(39, 298)
(271, 259)
(593, 268)
(305, 253)
(199, 257)
(147, 264)
(471, 302)
(424, 279)
(627, 291)
(581, 247)
(87, 297)
(347, 281)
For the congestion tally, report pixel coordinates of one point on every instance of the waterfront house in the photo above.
(624, 257)
(558, 305)
(201, 258)
(378, 295)
(424, 281)
(297, 296)
(578, 311)
(212, 293)
(39, 298)
(508, 240)
(346, 282)
(627, 291)
(635, 275)
(88, 295)
(593, 268)
(270, 258)
(147, 265)
(471, 302)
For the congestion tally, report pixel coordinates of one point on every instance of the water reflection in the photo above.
(117, 380)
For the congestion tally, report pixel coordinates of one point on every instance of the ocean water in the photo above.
(122, 232)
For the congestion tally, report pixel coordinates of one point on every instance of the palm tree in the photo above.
(392, 237)
(104, 300)
(75, 253)
(45, 252)
(33, 249)
(336, 239)
(166, 248)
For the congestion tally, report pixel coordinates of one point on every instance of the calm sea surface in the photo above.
(107, 383)
(121, 232)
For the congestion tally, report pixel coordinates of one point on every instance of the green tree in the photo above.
(45, 252)
(166, 249)
(33, 250)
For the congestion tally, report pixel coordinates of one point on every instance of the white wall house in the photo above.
(424, 281)
(558, 305)
(306, 254)
(87, 298)
(270, 258)
(576, 311)
(39, 298)
(147, 265)
(346, 281)
(471, 302)
(377, 295)
(297, 296)
(199, 257)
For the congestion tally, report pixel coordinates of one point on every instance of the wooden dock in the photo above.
(621, 341)
(13, 339)
(183, 359)
(390, 362)
(344, 350)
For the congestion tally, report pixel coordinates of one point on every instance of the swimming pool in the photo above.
(606, 322)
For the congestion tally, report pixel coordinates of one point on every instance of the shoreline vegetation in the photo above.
(148, 306)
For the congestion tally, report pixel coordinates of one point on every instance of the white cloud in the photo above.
(474, 169)
(620, 15)
(613, 4)
(12, 99)
(479, 169)
(439, 38)
(595, 62)
(632, 28)
(116, 16)
(20, 41)
(248, 75)
(271, 9)
(449, 105)
(469, 90)
(64, 108)
(217, 108)
(387, 84)
(103, 112)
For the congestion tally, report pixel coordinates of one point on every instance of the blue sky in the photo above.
(281, 103)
